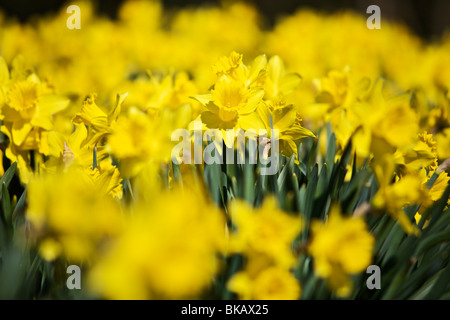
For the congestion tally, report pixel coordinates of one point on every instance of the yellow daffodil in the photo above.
(137, 140)
(168, 250)
(435, 193)
(277, 82)
(342, 246)
(72, 213)
(388, 121)
(286, 120)
(265, 231)
(394, 197)
(422, 155)
(230, 103)
(27, 107)
(98, 121)
(273, 283)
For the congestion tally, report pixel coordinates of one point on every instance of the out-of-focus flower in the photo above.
(277, 82)
(72, 213)
(435, 193)
(394, 197)
(385, 123)
(167, 250)
(422, 155)
(138, 140)
(341, 246)
(443, 143)
(273, 283)
(265, 231)
(265, 236)
(98, 121)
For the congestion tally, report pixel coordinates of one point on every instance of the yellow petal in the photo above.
(43, 121)
(407, 225)
(251, 121)
(283, 118)
(255, 98)
(204, 99)
(298, 132)
(10, 115)
(213, 121)
(51, 104)
(20, 130)
(257, 68)
(50, 249)
(289, 83)
(4, 72)
(55, 142)
(78, 137)
(276, 69)
(118, 106)
(89, 111)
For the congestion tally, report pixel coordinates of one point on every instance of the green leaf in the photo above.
(339, 171)
(312, 153)
(310, 191)
(282, 178)
(8, 175)
(440, 285)
(432, 240)
(249, 183)
(416, 280)
(18, 215)
(94, 158)
(331, 152)
(426, 288)
(6, 206)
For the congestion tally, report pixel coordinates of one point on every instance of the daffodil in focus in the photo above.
(27, 108)
(286, 120)
(234, 98)
(238, 101)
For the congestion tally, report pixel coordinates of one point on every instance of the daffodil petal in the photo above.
(289, 82)
(77, 138)
(55, 142)
(51, 104)
(283, 118)
(4, 72)
(255, 98)
(258, 66)
(20, 130)
(251, 121)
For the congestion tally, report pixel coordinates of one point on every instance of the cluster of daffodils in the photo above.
(88, 116)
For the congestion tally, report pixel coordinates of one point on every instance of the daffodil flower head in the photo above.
(341, 246)
(265, 231)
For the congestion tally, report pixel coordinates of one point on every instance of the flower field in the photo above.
(196, 153)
